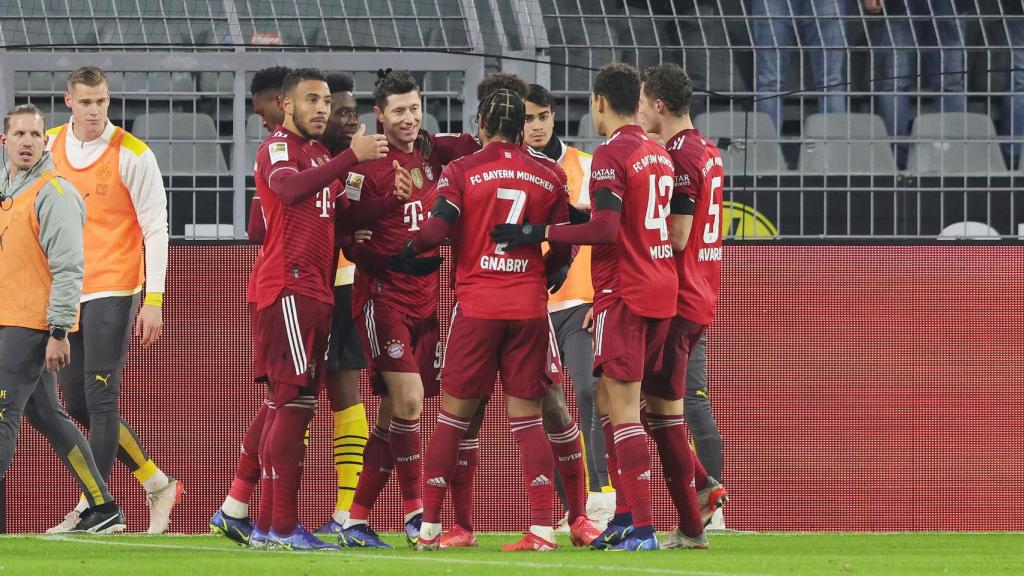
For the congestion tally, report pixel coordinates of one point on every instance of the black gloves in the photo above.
(557, 278)
(406, 262)
(577, 216)
(519, 234)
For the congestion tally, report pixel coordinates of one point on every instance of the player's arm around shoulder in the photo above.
(61, 215)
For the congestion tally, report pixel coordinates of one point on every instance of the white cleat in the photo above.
(69, 522)
(563, 525)
(161, 503)
(600, 507)
(676, 539)
(717, 522)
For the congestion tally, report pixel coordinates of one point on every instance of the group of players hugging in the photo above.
(348, 278)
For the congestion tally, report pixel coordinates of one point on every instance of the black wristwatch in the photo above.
(58, 333)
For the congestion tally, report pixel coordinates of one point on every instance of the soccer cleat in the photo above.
(711, 498)
(238, 530)
(299, 539)
(676, 539)
(67, 524)
(582, 532)
(360, 536)
(429, 544)
(717, 523)
(332, 526)
(634, 543)
(600, 507)
(563, 525)
(258, 540)
(611, 536)
(530, 542)
(458, 537)
(161, 503)
(94, 522)
(412, 529)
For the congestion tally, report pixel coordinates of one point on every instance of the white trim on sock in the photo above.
(235, 508)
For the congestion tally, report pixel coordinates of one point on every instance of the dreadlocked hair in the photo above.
(503, 113)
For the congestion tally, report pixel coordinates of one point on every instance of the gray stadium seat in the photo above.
(587, 138)
(754, 150)
(955, 143)
(180, 84)
(183, 143)
(254, 134)
(840, 143)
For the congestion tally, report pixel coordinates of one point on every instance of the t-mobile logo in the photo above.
(413, 215)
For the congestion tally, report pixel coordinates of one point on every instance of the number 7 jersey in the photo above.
(699, 175)
(639, 267)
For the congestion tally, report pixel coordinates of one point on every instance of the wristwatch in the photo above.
(58, 333)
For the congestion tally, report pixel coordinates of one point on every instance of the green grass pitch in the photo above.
(731, 554)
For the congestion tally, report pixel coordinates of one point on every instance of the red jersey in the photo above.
(639, 267)
(699, 175)
(298, 251)
(413, 295)
(501, 184)
(447, 148)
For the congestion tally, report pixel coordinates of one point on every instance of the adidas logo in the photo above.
(541, 480)
(437, 482)
(645, 476)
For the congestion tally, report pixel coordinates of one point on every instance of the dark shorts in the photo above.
(397, 342)
(524, 351)
(344, 351)
(292, 341)
(627, 347)
(669, 383)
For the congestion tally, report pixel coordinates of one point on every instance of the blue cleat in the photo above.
(332, 526)
(299, 539)
(612, 535)
(236, 529)
(412, 529)
(636, 543)
(259, 540)
(360, 536)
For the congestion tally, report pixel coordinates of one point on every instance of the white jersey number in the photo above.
(712, 230)
(518, 199)
(657, 212)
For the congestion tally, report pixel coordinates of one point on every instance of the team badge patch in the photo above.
(278, 152)
(354, 186)
(396, 349)
(417, 177)
(429, 172)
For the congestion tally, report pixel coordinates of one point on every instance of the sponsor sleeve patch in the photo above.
(278, 152)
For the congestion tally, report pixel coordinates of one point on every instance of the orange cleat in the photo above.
(458, 537)
(530, 543)
(582, 532)
(711, 498)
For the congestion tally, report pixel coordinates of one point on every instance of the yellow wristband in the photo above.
(154, 299)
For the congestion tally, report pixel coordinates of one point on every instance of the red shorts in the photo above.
(291, 340)
(524, 351)
(669, 382)
(627, 347)
(397, 342)
(259, 373)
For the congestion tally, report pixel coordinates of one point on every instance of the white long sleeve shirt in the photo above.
(141, 175)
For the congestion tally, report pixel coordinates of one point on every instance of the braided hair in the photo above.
(503, 113)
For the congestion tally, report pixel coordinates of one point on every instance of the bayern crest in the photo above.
(428, 172)
(396, 349)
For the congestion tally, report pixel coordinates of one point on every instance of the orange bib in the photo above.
(23, 264)
(346, 273)
(578, 285)
(113, 238)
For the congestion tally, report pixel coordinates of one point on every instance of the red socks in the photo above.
(700, 475)
(377, 463)
(538, 467)
(266, 510)
(440, 463)
(568, 453)
(462, 482)
(621, 506)
(634, 463)
(405, 449)
(247, 474)
(669, 433)
(287, 448)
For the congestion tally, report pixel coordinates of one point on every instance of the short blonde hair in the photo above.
(89, 75)
(21, 109)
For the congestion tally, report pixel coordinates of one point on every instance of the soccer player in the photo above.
(697, 201)
(399, 313)
(294, 291)
(500, 320)
(126, 210)
(635, 286)
(707, 440)
(232, 518)
(41, 263)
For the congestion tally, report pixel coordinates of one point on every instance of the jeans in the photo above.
(894, 74)
(1013, 105)
(775, 24)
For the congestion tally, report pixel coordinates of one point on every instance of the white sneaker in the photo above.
(69, 522)
(600, 508)
(676, 539)
(161, 503)
(563, 525)
(717, 523)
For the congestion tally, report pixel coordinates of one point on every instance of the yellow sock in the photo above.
(586, 468)
(350, 434)
(146, 471)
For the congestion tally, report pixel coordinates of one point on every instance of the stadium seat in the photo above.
(840, 143)
(184, 143)
(180, 84)
(254, 134)
(753, 148)
(587, 138)
(955, 143)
